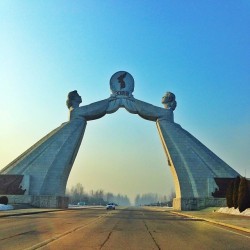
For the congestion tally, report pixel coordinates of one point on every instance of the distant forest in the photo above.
(78, 195)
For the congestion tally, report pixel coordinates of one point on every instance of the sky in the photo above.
(199, 50)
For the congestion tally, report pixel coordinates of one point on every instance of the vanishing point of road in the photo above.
(123, 228)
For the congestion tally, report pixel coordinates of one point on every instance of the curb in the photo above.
(213, 221)
(27, 213)
(14, 212)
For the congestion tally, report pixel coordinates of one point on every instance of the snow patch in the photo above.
(232, 210)
(6, 207)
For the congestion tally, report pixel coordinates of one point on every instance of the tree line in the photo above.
(238, 193)
(154, 199)
(77, 195)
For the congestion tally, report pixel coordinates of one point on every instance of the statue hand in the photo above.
(112, 98)
(114, 104)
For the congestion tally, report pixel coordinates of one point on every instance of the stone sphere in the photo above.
(122, 84)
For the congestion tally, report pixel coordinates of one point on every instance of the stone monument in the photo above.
(47, 164)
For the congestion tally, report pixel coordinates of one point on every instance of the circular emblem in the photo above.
(122, 84)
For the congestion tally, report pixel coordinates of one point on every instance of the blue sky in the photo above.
(199, 50)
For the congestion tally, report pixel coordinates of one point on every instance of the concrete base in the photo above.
(41, 201)
(189, 204)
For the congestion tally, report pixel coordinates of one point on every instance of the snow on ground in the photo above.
(233, 211)
(6, 207)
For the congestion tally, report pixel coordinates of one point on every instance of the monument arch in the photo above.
(47, 164)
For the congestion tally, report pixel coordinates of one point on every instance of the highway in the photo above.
(130, 228)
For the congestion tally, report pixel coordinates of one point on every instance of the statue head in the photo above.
(168, 100)
(74, 99)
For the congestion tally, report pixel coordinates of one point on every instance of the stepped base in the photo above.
(189, 204)
(41, 201)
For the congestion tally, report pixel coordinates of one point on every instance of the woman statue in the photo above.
(154, 113)
(89, 112)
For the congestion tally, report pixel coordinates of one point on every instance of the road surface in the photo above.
(123, 228)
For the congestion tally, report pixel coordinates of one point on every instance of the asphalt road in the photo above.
(124, 228)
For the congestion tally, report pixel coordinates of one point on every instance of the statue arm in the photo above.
(92, 111)
(96, 110)
(147, 111)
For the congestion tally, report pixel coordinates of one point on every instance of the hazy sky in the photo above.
(199, 50)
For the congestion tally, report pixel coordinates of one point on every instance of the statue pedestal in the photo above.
(189, 204)
(49, 201)
(40, 201)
